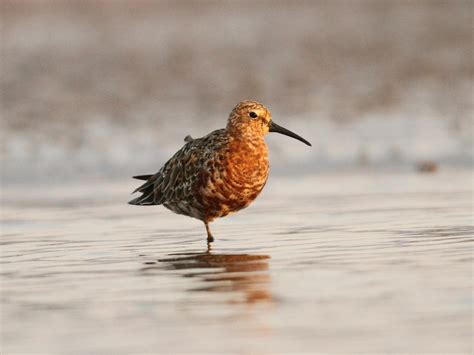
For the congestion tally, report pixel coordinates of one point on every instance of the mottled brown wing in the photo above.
(179, 178)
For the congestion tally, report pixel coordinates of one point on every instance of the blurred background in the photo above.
(110, 88)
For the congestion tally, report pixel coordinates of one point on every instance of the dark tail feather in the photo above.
(146, 198)
(142, 177)
(140, 201)
(135, 201)
(147, 190)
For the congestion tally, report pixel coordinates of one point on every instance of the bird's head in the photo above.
(251, 118)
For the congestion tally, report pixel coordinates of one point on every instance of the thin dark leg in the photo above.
(210, 238)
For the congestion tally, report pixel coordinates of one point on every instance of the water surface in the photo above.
(319, 263)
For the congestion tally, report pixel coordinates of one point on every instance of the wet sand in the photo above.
(323, 263)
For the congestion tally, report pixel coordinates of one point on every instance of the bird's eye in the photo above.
(253, 114)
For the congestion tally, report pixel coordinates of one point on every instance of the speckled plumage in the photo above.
(217, 174)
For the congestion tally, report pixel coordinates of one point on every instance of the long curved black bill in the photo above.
(273, 127)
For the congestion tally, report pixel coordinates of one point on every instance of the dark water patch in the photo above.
(442, 231)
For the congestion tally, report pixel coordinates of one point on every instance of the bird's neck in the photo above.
(248, 143)
(243, 136)
(249, 155)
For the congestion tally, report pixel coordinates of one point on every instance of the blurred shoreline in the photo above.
(106, 88)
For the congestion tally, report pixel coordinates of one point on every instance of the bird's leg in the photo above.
(209, 248)
(210, 238)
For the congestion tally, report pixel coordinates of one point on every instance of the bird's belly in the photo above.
(187, 208)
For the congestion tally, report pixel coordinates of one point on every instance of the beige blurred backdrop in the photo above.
(110, 88)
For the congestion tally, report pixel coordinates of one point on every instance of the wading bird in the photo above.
(217, 174)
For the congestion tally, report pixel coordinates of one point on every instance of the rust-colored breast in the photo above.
(235, 177)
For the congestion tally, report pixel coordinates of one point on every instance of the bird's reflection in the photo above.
(242, 274)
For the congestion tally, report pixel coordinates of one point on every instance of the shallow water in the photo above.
(377, 262)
